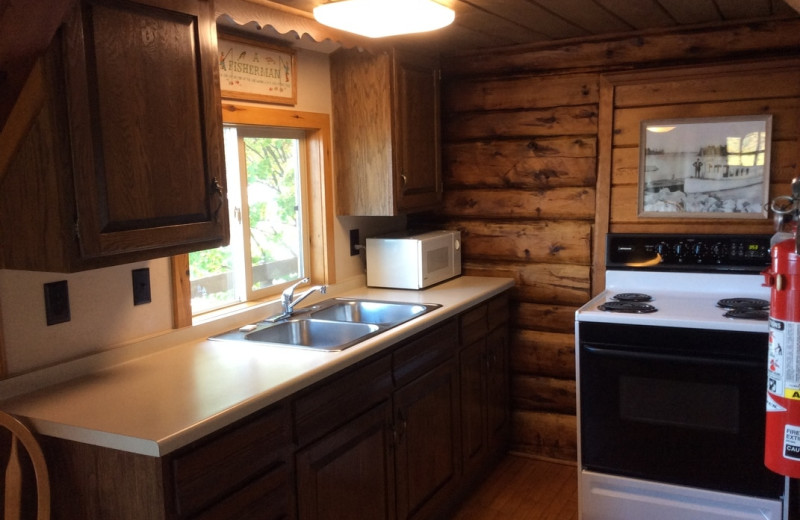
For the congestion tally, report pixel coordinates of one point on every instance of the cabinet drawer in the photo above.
(425, 352)
(216, 468)
(474, 324)
(345, 396)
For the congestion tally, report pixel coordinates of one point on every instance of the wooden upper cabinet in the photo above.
(386, 131)
(145, 125)
(123, 162)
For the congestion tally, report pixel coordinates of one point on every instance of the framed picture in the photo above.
(255, 71)
(705, 167)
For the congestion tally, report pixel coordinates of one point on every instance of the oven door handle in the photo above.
(678, 358)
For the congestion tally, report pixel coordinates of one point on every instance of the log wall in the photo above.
(540, 159)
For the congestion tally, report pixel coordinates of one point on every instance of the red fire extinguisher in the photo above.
(782, 443)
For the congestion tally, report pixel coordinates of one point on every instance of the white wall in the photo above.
(102, 312)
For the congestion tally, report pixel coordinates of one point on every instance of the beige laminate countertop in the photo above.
(155, 404)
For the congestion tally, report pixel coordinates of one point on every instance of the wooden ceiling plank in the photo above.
(737, 9)
(450, 40)
(587, 15)
(640, 14)
(495, 26)
(530, 15)
(692, 11)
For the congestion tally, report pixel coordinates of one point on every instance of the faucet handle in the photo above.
(291, 288)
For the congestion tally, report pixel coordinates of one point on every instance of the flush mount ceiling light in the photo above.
(378, 18)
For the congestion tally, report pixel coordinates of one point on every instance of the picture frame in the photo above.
(254, 71)
(713, 167)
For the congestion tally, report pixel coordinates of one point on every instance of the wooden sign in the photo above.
(255, 71)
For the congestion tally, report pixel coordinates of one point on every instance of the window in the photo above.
(266, 177)
(278, 188)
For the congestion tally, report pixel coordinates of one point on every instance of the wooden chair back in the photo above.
(23, 441)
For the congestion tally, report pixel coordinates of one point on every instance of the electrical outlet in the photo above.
(141, 285)
(56, 302)
(353, 242)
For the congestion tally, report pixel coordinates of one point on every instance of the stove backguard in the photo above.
(697, 253)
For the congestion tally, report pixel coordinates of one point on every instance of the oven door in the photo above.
(673, 405)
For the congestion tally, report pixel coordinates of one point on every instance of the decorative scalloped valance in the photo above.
(289, 21)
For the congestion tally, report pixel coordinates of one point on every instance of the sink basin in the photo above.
(369, 311)
(313, 333)
(332, 325)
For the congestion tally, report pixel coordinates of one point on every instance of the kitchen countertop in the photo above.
(155, 404)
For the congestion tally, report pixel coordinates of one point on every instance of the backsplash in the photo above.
(101, 308)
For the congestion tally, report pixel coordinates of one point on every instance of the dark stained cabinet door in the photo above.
(473, 404)
(418, 170)
(349, 473)
(497, 388)
(484, 383)
(145, 126)
(426, 421)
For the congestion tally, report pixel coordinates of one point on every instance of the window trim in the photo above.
(320, 194)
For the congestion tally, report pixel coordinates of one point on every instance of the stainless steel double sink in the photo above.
(332, 325)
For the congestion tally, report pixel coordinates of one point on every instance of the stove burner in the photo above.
(632, 297)
(627, 307)
(743, 304)
(748, 314)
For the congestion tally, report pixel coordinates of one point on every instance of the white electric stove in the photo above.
(672, 386)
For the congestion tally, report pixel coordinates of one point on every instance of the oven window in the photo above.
(679, 403)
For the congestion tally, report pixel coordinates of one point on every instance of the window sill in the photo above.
(239, 308)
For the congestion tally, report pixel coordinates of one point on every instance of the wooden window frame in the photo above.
(320, 193)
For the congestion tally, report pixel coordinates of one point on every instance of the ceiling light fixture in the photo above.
(378, 18)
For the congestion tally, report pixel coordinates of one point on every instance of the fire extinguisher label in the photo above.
(773, 406)
(783, 377)
(791, 442)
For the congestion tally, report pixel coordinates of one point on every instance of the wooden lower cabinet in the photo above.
(349, 473)
(483, 363)
(449, 422)
(242, 472)
(426, 420)
(399, 435)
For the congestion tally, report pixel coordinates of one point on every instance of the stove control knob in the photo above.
(662, 248)
(681, 251)
(720, 252)
(699, 252)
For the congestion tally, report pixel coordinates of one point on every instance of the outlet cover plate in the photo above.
(56, 302)
(141, 285)
(353, 242)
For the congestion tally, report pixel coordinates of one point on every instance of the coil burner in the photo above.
(627, 307)
(632, 297)
(745, 308)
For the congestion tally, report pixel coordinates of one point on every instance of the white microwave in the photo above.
(413, 261)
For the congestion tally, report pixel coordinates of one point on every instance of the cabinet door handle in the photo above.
(217, 188)
(403, 180)
(402, 426)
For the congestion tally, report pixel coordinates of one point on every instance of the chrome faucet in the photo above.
(288, 300)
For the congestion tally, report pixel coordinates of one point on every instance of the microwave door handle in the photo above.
(673, 357)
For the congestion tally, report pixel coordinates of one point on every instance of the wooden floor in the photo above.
(520, 488)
